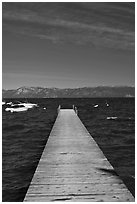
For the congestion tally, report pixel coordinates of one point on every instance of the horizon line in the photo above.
(133, 86)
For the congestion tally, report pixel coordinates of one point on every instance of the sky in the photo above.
(68, 45)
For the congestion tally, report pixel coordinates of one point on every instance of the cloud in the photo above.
(95, 24)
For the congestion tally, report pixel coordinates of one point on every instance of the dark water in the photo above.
(25, 135)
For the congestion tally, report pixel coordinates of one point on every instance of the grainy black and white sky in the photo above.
(68, 44)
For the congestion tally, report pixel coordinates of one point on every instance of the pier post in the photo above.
(58, 110)
(75, 109)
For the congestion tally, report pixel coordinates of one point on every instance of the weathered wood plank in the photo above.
(73, 168)
(82, 198)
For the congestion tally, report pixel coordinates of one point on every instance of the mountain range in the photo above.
(85, 92)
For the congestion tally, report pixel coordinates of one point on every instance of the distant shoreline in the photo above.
(85, 92)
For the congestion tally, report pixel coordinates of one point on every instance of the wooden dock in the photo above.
(73, 168)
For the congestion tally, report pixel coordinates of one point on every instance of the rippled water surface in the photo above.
(25, 135)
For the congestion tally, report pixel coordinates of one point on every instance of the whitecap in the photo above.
(95, 106)
(111, 118)
(9, 103)
(19, 109)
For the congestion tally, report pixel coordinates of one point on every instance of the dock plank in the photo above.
(73, 168)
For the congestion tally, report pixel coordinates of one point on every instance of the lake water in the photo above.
(26, 133)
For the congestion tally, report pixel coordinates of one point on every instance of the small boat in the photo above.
(3, 103)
